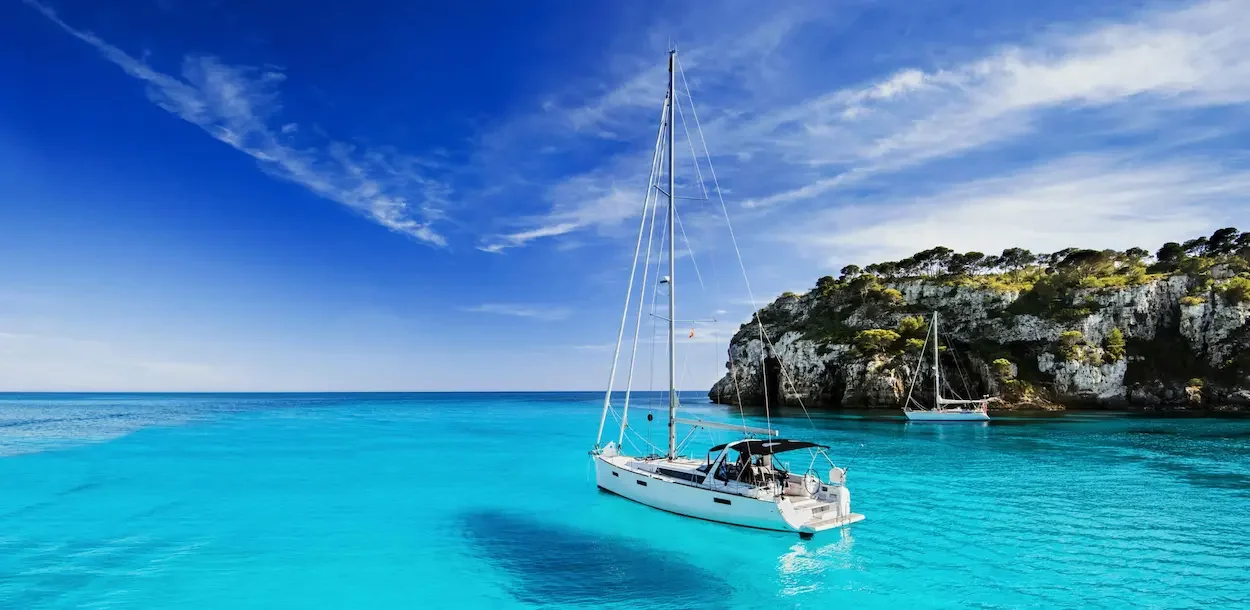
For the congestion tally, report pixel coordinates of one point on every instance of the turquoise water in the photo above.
(468, 501)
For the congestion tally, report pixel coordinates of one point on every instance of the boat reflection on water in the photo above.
(965, 430)
(804, 567)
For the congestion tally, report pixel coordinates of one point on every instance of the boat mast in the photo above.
(672, 267)
(937, 366)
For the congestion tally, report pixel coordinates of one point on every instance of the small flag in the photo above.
(691, 333)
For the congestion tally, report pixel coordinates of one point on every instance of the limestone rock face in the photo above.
(1209, 326)
(810, 354)
(1082, 380)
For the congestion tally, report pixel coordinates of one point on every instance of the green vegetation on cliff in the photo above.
(1059, 273)
(1018, 321)
(1113, 346)
(908, 338)
(1048, 286)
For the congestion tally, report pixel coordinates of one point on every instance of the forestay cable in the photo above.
(642, 296)
(620, 335)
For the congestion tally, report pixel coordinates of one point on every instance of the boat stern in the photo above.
(830, 509)
(809, 529)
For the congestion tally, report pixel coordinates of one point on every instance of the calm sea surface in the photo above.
(487, 501)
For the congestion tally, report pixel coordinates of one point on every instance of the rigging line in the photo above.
(629, 291)
(685, 367)
(689, 249)
(697, 170)
(685, 363)
(686, 439)
(703, 187)
(715, 369)
(764, 369)
(636, 434)
(737, 251)
(642, 298)
(916, 374)
(655, 295)
(959, 369)
(694, 113)
(654, 449)
(733, 374)
(733, 371)
(693, 155)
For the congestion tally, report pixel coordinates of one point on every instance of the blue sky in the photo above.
(218, 195)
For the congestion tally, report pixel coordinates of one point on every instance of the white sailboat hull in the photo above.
(943, 415)
(614, 474)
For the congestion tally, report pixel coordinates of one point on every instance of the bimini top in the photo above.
(757, 446)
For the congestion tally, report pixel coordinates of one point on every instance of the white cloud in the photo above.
(522, 311)
(520, 238)
(726, 44)
(239, 105)
(1082, 201)
(1186, 58)
(1142, 69)
(604, 197)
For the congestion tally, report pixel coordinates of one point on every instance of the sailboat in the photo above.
(943, 409)
(746, 481)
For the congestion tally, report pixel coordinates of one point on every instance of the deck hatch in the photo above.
(678, 474)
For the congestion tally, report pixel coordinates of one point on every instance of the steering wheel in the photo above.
(811, 484)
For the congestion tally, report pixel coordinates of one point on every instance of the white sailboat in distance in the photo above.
(745, 482)
(943, 409)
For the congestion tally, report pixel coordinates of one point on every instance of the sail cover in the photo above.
(766, 446)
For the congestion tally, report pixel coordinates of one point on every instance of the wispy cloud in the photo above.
(1148, 74)
(500, 243)
(522, 311)
(623, 107)
(240, 106)
(1188, 57)
(572, 167)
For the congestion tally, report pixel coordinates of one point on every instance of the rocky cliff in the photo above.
(1078, 328)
